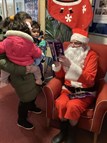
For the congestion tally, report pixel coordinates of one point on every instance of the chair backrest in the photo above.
(101, 50)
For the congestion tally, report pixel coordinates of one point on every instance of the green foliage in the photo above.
(56, 30)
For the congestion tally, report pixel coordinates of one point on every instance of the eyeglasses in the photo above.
(76, 43)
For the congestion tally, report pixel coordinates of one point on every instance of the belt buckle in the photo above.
(78, 90)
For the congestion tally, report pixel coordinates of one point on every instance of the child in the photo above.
(4, 75)
(38, 36)
(33, 69)
(21, 50)
(39, 40)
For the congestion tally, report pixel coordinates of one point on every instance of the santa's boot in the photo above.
(61, 136)
(71, 135)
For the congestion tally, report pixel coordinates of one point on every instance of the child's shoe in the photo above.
(25, 124)
(36, 110)
(33, 108)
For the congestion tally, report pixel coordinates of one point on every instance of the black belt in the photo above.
(78, 89)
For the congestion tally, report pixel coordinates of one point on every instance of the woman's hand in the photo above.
(64, 61)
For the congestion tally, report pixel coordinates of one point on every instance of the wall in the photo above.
(42, 14)
(98, 38)
(93, 38)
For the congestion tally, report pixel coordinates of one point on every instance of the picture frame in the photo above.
(19, 5)
(99, 23)
(32, 7)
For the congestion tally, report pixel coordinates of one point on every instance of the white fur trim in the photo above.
(77, 62)
(79, 37)
(74, 72)
(18, 33)
(67, 4)
(76, 84)
(56, 69)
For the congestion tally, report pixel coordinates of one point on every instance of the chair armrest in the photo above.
(95, 121)
(51, 91)
(100, 108)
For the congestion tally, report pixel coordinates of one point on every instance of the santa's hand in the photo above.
(64, 61)
(56, 63)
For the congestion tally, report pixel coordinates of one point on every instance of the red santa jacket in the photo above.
(80, 75)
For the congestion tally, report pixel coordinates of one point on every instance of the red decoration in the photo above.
(73, 13)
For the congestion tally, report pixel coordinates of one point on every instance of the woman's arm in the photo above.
(12, 68)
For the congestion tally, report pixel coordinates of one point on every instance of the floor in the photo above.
(11, 133)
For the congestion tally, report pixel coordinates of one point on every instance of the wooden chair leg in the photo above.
(95, 137)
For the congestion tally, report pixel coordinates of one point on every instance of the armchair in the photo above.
(92, 118)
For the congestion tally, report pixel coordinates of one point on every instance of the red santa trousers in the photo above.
(71, 108)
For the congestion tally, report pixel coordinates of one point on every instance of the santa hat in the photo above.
(80, 35)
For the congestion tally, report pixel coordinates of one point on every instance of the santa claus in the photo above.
(78, 68)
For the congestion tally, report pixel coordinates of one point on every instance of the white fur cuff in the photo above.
(74, 72)
(56, 69)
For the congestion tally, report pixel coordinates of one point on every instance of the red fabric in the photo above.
(90, 70)
(71, 109)
(88, 75)
(73, 14)
(20, 50)
(80, 31)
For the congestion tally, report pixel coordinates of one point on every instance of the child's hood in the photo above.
(18, 33)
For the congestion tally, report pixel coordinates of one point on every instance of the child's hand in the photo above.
(64, 61)
(28, 69)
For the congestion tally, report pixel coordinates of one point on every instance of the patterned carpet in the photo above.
(11, 133)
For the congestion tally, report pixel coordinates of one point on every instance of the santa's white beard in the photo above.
(76, 55)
